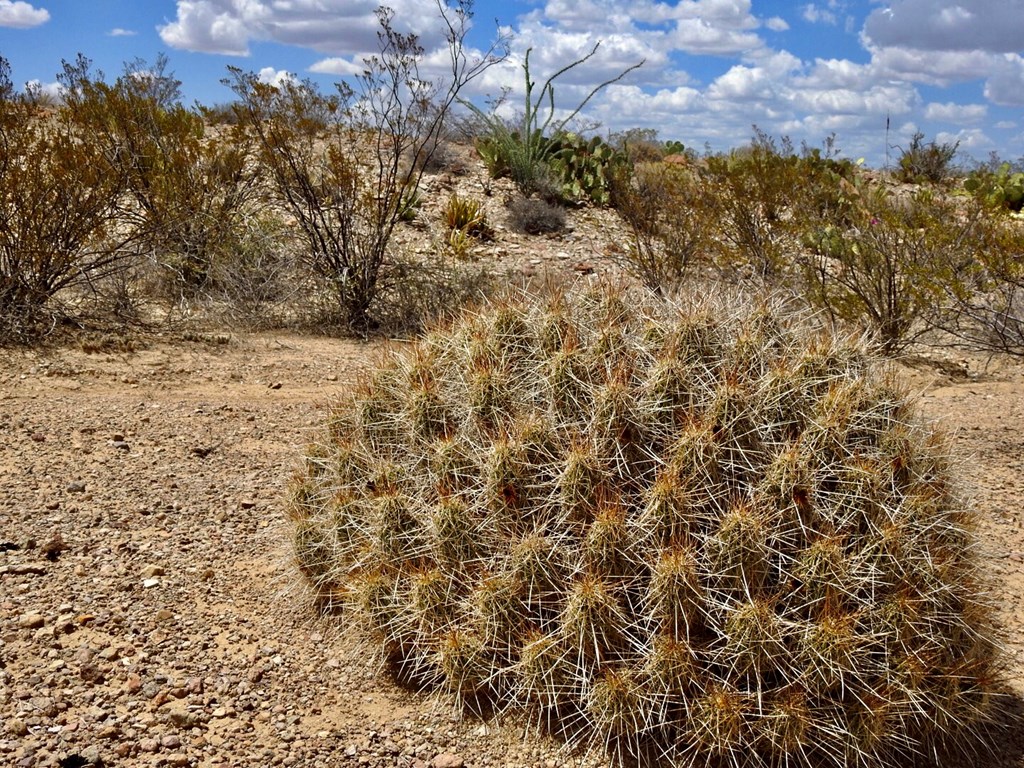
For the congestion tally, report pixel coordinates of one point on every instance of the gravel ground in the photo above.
(148, 611)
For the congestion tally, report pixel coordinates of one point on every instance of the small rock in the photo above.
(120, 445)
(170, 741)
(91, 673)
(75, 486)
(178, 759)
(447, 760)
(31, 621)
(17, 727)
(150, 583)
(149, 571)
(149, 745)
(181, 716)
(275, 385)
(53, 546)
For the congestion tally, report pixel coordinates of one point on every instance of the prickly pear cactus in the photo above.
(707, 535)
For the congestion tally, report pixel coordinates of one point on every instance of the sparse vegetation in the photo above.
(346, 165)
(526, 151)
(926, 162)
(58, 210)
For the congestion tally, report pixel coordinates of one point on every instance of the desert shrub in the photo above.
(984, 306)
(751, 192)
(702, 531)
(188, 192)
(925, 162)
(666, 210)
(890, 267)
(345, 165)
(259, 277)
(535, 216)
(57, 228)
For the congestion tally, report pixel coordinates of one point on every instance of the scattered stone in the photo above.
(31, 621)
(447, 760)
(75, 486)
(150, 571)
(150, 583)
(17, 727)
(92, 673)
(120, 445)
(53, 547)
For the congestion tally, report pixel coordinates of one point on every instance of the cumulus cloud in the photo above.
(275, 77)
(53, 90)
(996, 26)
(1006, 84)
(327, 26)
(969, 139)
(21, 15)
(776, 24)
(337, 65)
(950, 112)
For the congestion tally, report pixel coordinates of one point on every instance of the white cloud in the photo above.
(1006, 84)
(776, 24)
(275, 77)
(21, 15)
(337, 65)
(118, 32)
(969, 139)
(932, 67)
(996, 26)
(54, 90)
(210, 27)
(816, 15)
(335, 27)
(951, 112)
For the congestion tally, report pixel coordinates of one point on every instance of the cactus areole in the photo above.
(696, 533)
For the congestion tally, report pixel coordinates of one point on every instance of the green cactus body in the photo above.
(709, 534)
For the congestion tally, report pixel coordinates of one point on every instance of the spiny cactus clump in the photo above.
(692, 533)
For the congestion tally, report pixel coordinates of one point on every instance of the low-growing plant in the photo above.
(1001, 188)
(466, 214)
(926, 162)
(535, 216)
(584, 168)
(701, 531)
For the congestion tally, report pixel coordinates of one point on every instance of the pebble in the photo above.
(447, 760)
(75, 486)
(31, 621)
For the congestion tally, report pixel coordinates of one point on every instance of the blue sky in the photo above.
(954, 70)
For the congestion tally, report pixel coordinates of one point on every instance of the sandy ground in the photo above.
(148, 612)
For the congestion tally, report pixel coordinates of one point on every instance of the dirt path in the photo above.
(147, 612)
